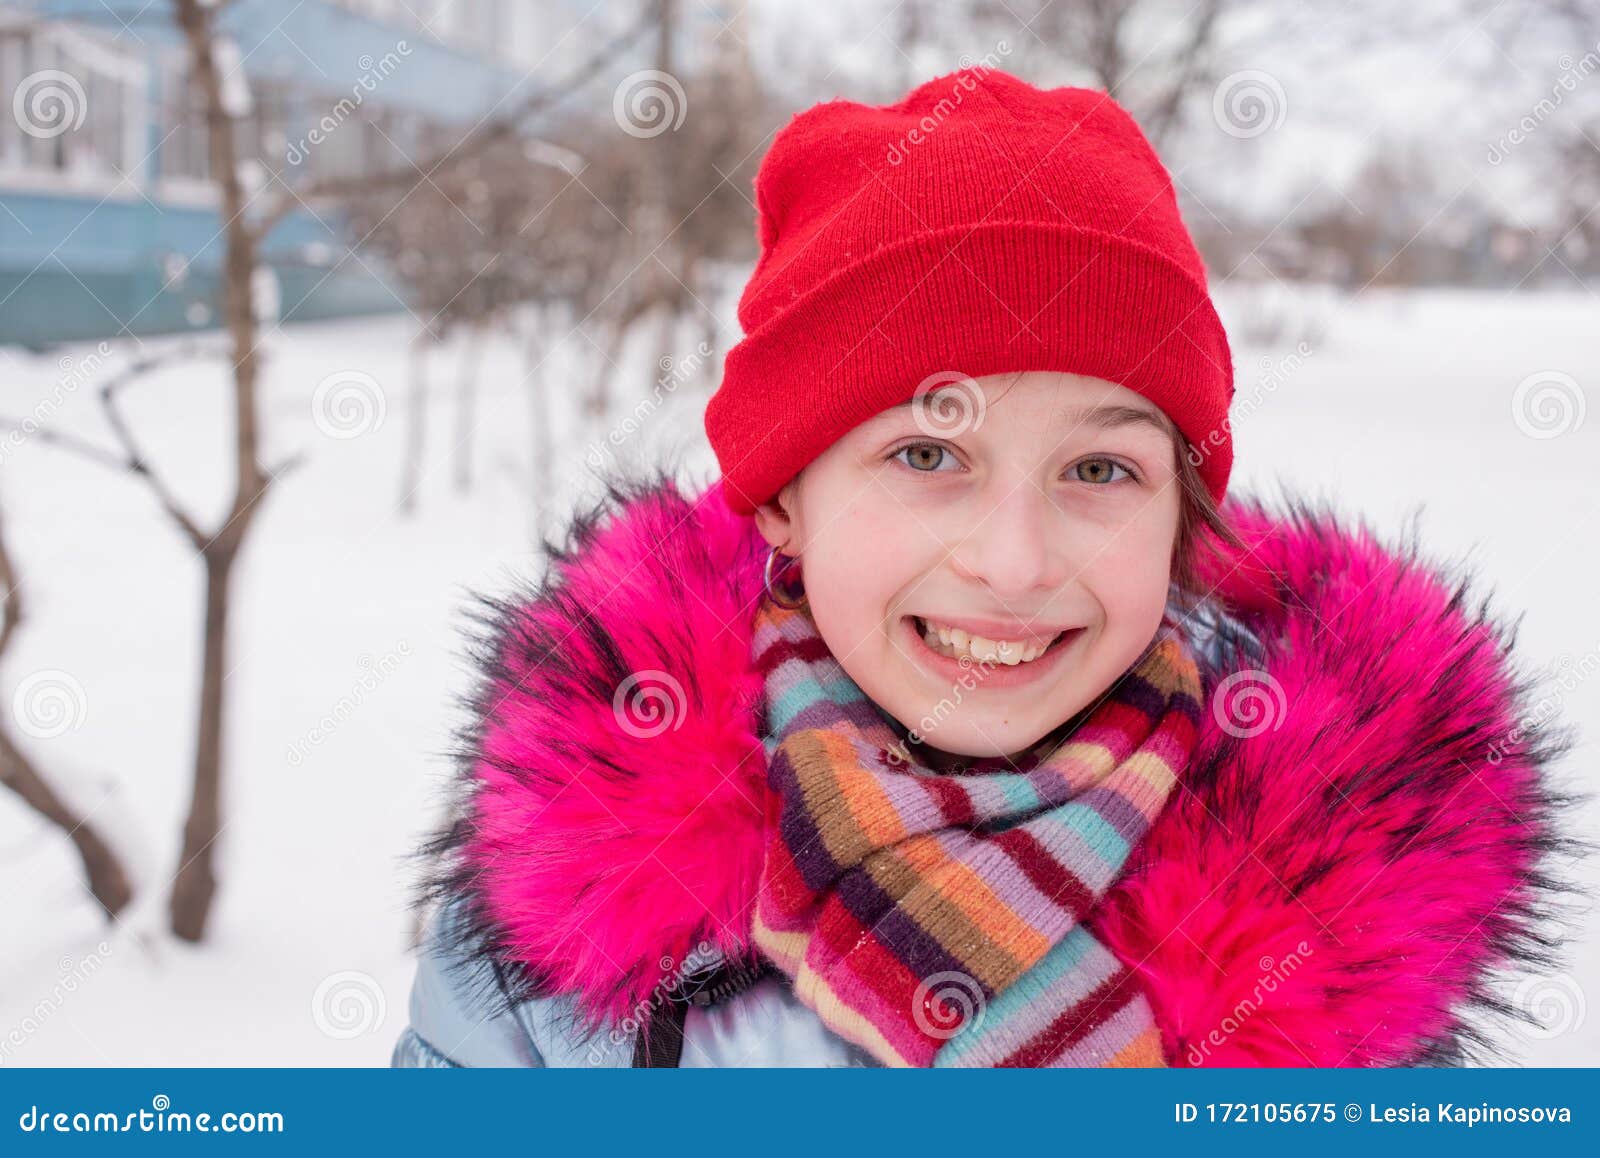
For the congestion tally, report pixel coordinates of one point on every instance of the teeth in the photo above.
(956, 643)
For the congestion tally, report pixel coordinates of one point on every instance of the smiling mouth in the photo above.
(955, 643)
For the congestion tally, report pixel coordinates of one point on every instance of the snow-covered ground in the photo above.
(1401, 400)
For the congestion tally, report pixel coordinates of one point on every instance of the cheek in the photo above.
(857, 568)
(1132, 570)
(868, 544)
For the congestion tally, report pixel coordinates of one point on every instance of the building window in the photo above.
(81, 105)
(184, 153)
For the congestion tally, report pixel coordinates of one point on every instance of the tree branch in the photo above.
(139, 464)
(132, 459)
(10, 593)
(82, 447)
(478, 139)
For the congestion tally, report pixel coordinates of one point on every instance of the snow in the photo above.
(346, 649)
(237, 100)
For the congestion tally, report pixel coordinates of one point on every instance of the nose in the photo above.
(1015, 544)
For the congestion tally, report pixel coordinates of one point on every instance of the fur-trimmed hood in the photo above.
(1355, 851)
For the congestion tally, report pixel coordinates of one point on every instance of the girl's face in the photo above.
(985, 560)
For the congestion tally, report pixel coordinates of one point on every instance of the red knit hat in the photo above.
(979, 226)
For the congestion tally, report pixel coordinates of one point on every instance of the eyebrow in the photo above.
(1109, 417)
(1102, 417)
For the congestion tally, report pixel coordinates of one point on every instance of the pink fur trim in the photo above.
(1331, 888)
(614, 832)
(1374, 826)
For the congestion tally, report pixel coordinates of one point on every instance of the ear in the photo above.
(773, 520)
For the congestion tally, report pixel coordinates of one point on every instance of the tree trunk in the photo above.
(665, 365)
(467, 405)
(416, 425)
(195, 883)
(108, 884)
(597, 398)
(712, 371)
(541, 437)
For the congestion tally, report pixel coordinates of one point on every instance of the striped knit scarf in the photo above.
(935, 919)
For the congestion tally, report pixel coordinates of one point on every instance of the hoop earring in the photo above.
(784, 599)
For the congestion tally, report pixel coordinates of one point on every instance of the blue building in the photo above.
(108, 224)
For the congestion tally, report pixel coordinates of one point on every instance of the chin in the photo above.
(981, 739)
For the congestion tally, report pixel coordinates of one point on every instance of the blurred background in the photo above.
(316, 314)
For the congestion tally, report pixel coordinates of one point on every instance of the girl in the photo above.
(961, 722)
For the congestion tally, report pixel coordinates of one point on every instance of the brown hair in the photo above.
(1198, 513)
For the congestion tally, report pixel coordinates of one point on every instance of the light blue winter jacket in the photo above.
(458, 1018)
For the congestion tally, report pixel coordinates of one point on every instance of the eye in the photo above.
(926, 457)
(1100, 471)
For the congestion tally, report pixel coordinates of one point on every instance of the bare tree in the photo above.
(107, 881)
(679, 197)
(481, 171)
(601, 222)
(195, 881)
(421, 344)
(1151, 55)
(1575, 146)
(217, 549)
(453, 244)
